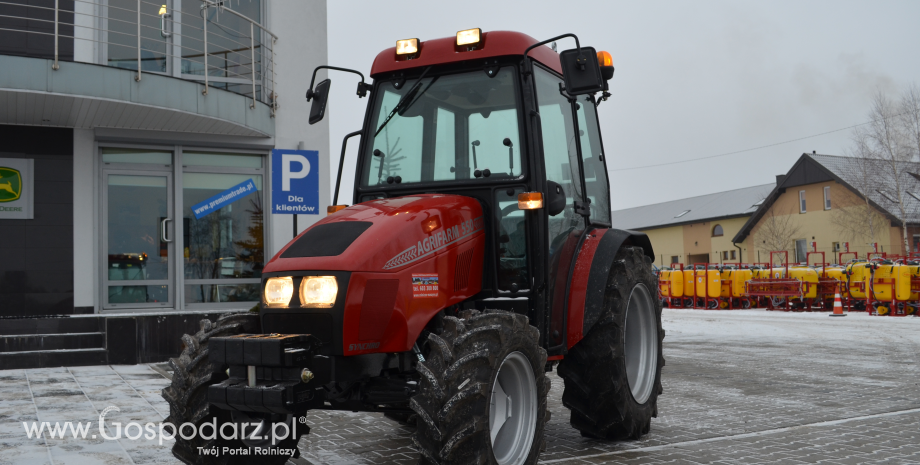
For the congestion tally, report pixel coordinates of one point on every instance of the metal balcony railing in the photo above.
(208, 41)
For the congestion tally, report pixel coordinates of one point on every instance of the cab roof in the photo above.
(442, 51)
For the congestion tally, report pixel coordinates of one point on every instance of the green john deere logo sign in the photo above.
(10, 184)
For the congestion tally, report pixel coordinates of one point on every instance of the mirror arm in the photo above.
(528, 67)
(362, 86)
(338, 180)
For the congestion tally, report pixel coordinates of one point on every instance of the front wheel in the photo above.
(613, 376)
(482, 393)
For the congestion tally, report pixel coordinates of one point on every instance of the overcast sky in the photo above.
(692, 79)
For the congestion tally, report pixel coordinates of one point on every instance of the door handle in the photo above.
(163, 17)
(163, 237)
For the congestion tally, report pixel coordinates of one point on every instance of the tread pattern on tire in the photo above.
(187, 394)
(594, 371)
(454, 390)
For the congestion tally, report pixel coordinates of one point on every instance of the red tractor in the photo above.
(477, 256)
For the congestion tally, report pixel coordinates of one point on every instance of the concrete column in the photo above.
(84, 32)
(301, 47)
(85, 222)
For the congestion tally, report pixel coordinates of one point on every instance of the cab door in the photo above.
(562, 166)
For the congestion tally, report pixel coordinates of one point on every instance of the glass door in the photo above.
(138, 237)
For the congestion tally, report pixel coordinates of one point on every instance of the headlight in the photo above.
(278, 291)
(318, 291)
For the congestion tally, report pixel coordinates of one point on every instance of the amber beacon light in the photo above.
(530, 200)
(606, 63)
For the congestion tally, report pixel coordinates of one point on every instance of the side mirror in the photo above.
(319, 95)
(555, 198)
(581, 71)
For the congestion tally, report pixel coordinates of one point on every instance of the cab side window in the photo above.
(592, 154)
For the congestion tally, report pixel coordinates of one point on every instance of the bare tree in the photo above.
(910, 118)
(777, 230)
(886, 146)
(855, 218)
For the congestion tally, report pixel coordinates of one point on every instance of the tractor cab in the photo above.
(501, 118)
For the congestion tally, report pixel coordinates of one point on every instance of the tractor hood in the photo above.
(383, 235)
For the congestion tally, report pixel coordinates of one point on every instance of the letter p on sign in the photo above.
(287, 159)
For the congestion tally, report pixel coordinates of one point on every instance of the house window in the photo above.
(887, 196)
(682, 213)
(801, 251)
(827, 197)
(914, 195)
(733, 254)
(801, 201)
(674, 259)
(717, 230)
(725, 255)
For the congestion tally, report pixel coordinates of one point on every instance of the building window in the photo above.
(682, 213)
(827, 197)
(801, 251)
(717, 230)
(733, 254)
(801, 201)
(724, 255)
(675, 259)
(835, 246)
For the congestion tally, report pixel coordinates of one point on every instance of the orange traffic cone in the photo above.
(838, 306)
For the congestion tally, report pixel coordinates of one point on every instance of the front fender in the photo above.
(592, 270)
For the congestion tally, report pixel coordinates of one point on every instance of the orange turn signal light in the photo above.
(334, 208)
(431, 224)
(530, 200)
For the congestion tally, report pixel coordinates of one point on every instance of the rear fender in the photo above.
(589, 280)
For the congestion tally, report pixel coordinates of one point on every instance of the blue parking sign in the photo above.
(295, 182)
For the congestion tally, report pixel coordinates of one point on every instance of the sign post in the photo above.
(295, 183)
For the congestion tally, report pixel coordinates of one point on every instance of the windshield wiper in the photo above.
(407, 100)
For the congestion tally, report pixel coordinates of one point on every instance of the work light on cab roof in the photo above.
(469, 37)
(407, 47)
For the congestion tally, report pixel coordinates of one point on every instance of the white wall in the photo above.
(302, 46)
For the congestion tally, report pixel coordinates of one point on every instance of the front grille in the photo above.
(317, 324)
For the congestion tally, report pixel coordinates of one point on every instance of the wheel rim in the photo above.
(513, 410)
(641, 346)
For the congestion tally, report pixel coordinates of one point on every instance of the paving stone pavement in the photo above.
(740, 387)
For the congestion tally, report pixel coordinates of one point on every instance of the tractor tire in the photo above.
(482, 393)
(613, 376)
(187, 395)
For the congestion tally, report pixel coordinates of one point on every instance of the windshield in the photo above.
(447, 128)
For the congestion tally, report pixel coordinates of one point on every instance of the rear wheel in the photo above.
(482, 394)
(613, 376)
